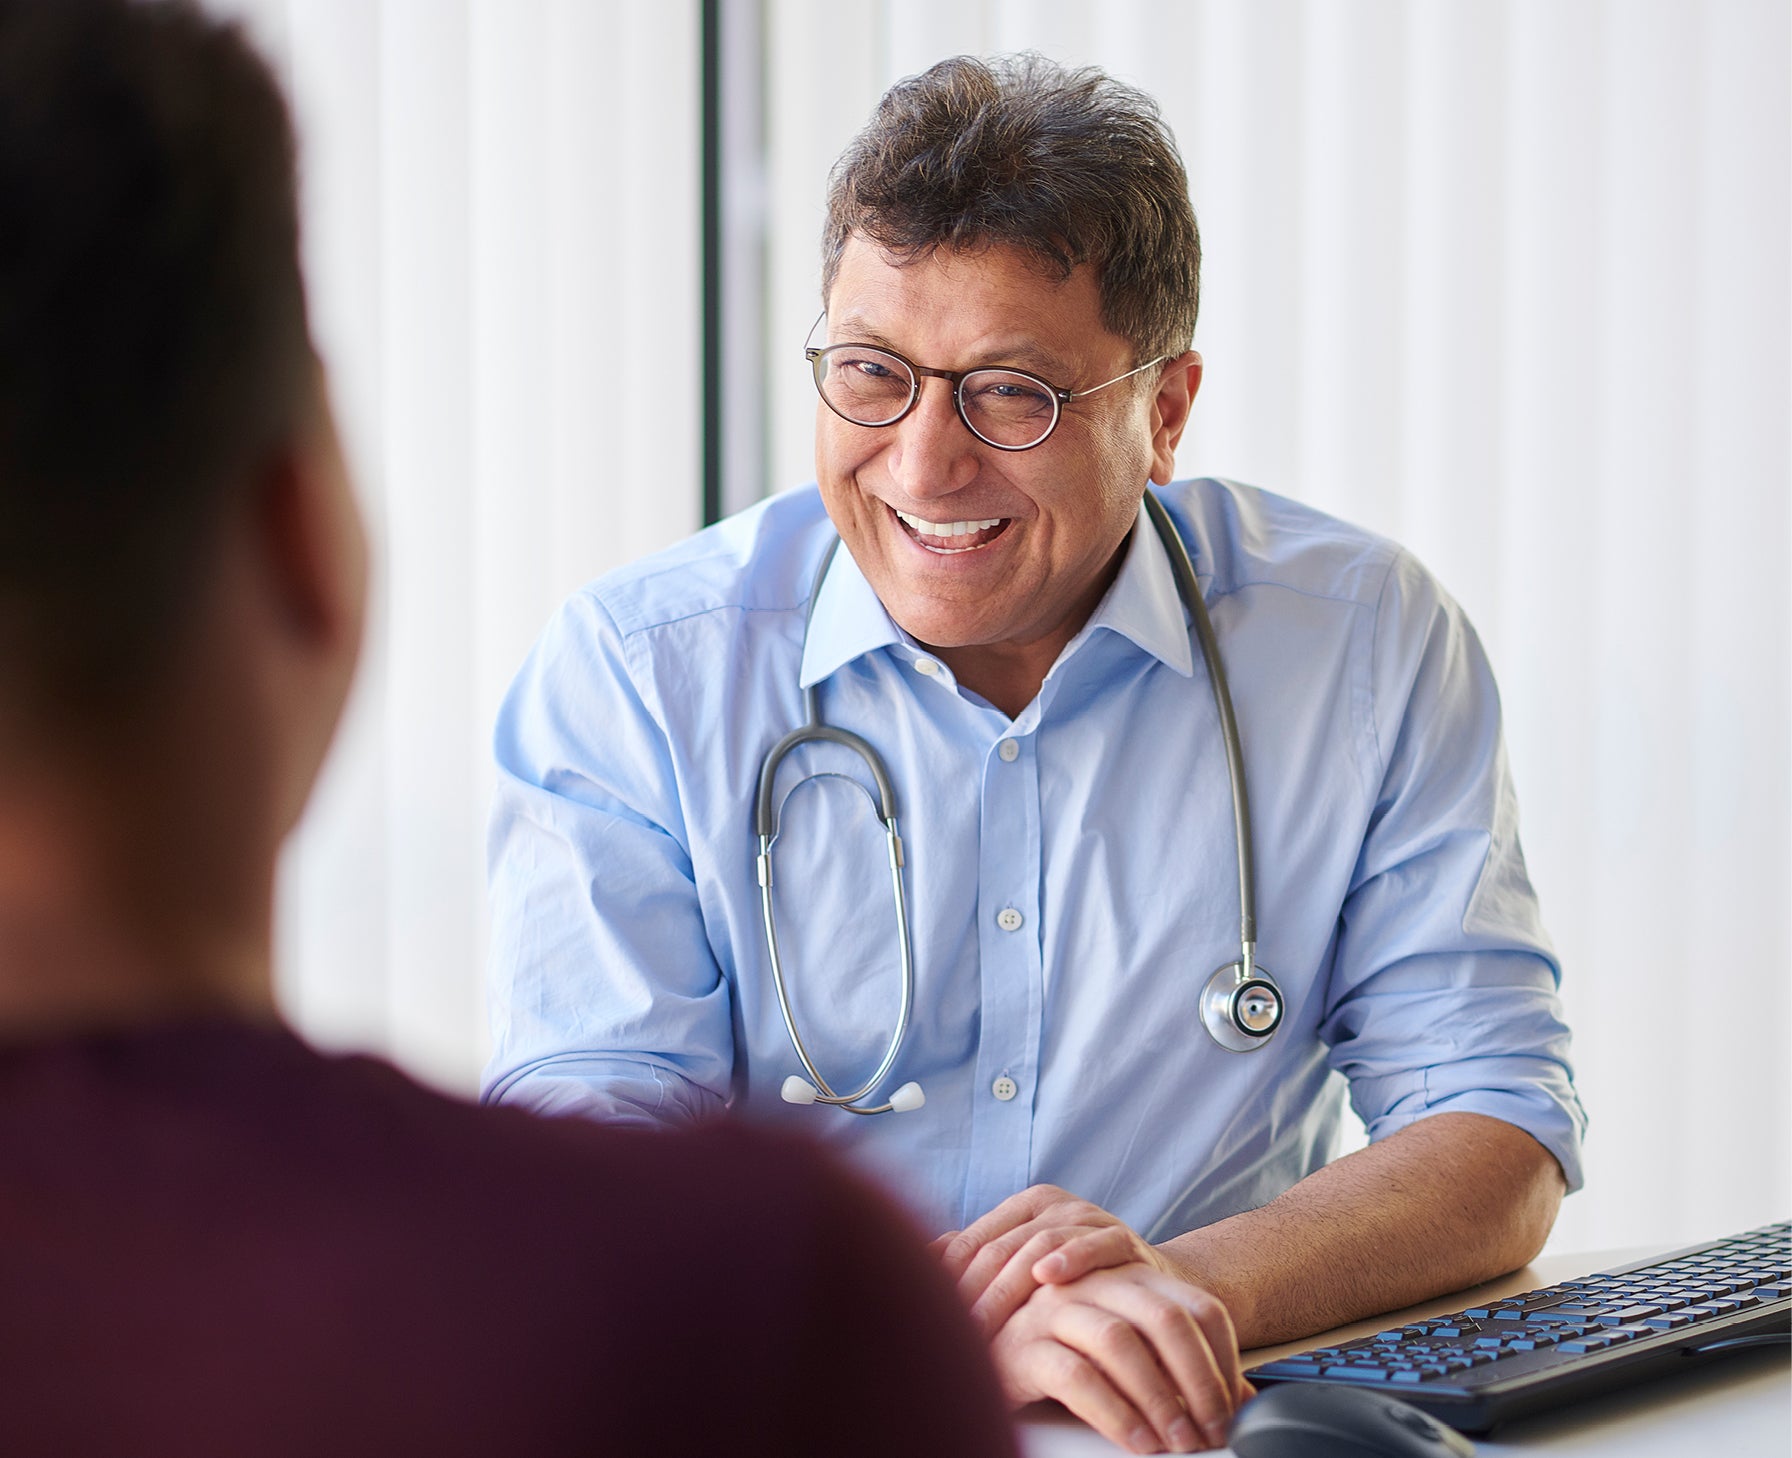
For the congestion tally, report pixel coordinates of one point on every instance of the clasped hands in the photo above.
(1079, 1308)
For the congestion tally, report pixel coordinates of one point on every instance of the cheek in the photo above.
(1108, 481)
(1124, 457)
(840, 450)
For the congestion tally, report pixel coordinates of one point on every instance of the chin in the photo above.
(942, 629)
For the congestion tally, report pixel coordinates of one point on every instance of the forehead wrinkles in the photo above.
(997, 346)
(991, 306)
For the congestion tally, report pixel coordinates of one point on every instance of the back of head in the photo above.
(1069, 166)
(152, 332)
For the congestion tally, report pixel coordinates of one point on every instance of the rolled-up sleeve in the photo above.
(606, 999)
(1443, 991)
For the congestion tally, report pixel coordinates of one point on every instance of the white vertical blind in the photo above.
(501, 214)
(1509, 282)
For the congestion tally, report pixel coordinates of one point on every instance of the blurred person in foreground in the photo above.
(214, 1240)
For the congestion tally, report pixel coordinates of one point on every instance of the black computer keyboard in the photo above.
(1483, 1366)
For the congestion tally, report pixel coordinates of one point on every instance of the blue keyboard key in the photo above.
(1587, 1344)
(1356, 1374)
(1291, 1367)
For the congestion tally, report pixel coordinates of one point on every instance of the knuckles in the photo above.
(1063, 1368)
(1113, 1335)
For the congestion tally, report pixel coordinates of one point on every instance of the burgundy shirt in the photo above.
(214, 1240)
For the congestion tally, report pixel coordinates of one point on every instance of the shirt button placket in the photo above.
(1011, 978)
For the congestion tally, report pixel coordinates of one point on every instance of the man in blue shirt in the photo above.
(1010, 282)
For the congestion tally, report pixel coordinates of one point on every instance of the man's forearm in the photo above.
(1448, 1202)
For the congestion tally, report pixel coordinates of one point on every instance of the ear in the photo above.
(311, 567)
(312, 546)
(1170, 409)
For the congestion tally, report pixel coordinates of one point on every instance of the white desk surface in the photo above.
(1740, 1407)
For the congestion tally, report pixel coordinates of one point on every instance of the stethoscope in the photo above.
(1241, 1005)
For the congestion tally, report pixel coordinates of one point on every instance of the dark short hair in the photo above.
(1070, 166)
(153, 339)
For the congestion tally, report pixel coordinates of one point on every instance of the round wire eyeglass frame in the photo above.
(818, 357)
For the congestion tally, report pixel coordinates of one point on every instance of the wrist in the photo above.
(1195, 1262)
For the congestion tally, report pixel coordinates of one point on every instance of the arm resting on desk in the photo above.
(1128, 1336)
(1446, 1203)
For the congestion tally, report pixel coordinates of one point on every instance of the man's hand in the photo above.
(1145, 1359)
(1079, 1308)
(1042, 1236)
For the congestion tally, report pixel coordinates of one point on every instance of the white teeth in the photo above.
(948, 528)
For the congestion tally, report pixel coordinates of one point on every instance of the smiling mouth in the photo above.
(948, 538)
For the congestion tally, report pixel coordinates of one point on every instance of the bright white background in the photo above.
(1507, 280)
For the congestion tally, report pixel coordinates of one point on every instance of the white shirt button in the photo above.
(1004, 1088)
(926, 666)
(1009, 750)
(1008, 919)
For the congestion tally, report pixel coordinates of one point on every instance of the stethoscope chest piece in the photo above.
(1241, 1011)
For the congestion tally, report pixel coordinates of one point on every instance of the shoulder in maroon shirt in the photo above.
(215, 1240)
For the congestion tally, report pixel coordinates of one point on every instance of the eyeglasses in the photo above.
(1008, 409)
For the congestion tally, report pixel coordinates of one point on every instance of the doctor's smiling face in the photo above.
(993, 558)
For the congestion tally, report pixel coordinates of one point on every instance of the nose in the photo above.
(934, 452)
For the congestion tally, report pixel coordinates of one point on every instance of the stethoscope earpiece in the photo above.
(798, 1090)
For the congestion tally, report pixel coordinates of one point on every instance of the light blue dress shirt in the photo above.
(1071, 873)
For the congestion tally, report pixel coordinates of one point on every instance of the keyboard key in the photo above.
(1587, 1344)
(1291, 1367)
(1672, 1321)
(1629, 1315)
(1348, 1373)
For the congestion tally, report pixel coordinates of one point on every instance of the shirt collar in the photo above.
(1142, 605)
(848, 621)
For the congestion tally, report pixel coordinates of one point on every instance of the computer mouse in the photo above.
(1330, 1420)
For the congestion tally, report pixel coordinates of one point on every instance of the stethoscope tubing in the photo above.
(1184, 568)
(766, 827)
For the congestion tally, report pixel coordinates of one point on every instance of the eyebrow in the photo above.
(854, 330)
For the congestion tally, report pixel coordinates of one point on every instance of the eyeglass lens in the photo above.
(871, 387)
